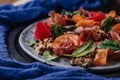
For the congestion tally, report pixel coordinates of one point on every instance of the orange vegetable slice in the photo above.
(77, 18)
(81, 21)
(87, 23)
(112, 13)
(116, 27)
(101, 57)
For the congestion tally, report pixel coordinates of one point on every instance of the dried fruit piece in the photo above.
(116, 27)
(101, 57)
(112, 13)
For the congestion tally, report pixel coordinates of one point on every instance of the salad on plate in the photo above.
(86, 38)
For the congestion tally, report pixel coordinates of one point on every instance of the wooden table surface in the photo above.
(7, 1)
(14, 2)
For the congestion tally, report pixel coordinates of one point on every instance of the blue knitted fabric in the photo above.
(13, 70)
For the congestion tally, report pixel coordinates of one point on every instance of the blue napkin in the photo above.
(11, 15)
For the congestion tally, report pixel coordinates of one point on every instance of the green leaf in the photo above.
(107, 23)
(84, 49)
(90, 49)
(67, 55)
(109, 44)
(56, 31)
(30, 43)
(76, 12)
(68, 13)
(47, 56)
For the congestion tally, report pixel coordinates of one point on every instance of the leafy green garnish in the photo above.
(67, 55)
(107, 23)
(56, 31)
(47, 56)
(84, 49)
(76, 12)
(68, 13)
(30, 43)
(109, 44)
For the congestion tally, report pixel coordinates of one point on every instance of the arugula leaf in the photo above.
(107, 23)
(84, 49)
(56, 31)
(47, 56)
(109, 44)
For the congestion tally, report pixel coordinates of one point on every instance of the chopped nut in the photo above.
(87, 62)
(69, 32)
(90, 55)
(84, 62)
(46, 44)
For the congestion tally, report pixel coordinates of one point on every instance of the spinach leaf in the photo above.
(56, 31)
(30, 43)
(84, 49)
(109, 44)
(47, 56)
(67, 55)
(107, 23)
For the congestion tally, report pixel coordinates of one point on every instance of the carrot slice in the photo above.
(101, 57)
(116, 27)
(112, 13)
